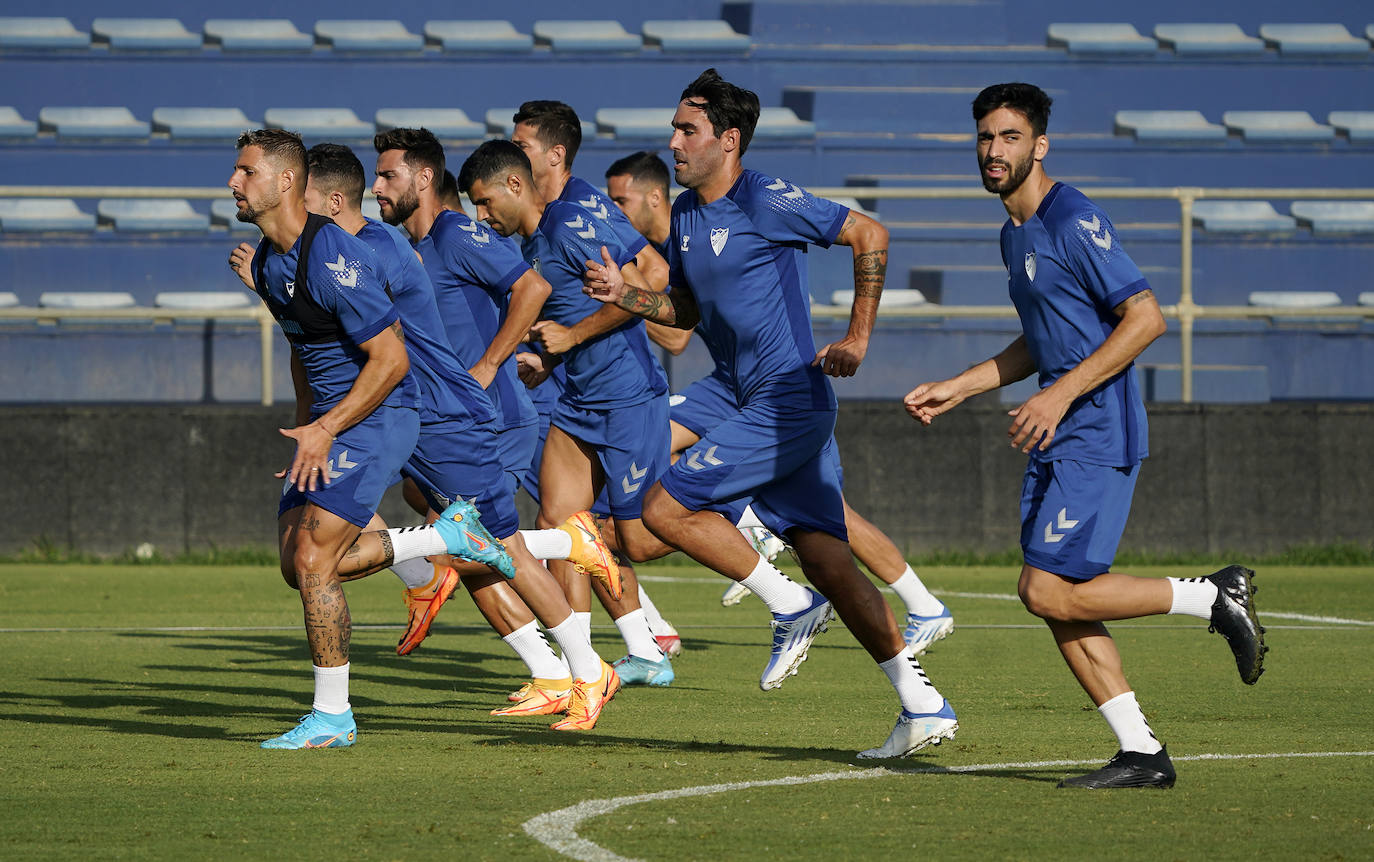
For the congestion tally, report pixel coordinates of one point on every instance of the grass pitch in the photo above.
(132, 700)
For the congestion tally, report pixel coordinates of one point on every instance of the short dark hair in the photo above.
(1028, 100)
(726, 106)
(335, 167)
(492, 159)
(285, 148)
(642, 167)
(422, 149)
(555, 124)
(448, 188)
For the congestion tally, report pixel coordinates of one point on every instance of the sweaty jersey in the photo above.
(448, 393)
(472, 269)
(590, 198)
(1067, 272)
(616, 368)
(342, 305)
(743, 258)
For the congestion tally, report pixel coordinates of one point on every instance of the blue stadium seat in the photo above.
(1295, 298)
(1101, 39)
(144, 34)
(1207, 39)
(257, 34)
(1313, 39)
(224, 211)
(111, 122)
(358, 35)
(1335, 216)
(327, 123)
(41, 33)
(12, 125)
(43, 214)
(151, 215)
(204, 299)
(1241, 217)
(443, 122)
(694, 36)
(1277, 126)
(1358, 126)
(1169, 126)
(201, 123)
(782, 123)
(478, 36)
(86, 299)
(585, 36)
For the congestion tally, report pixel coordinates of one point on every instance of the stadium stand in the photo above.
(95, 299)
(446, 123)
(8, 299)
(1294, 298)
(1207, 39)
(225, 213)
(1335, 216)
(29, 215)
(1357, 126)
(596, 36)
(260, 34)
(1319, 39)
(389, 36)
(1169, 126)
(12, 125)
(321, 123)
(105, 122)
(201, 123)
(151, 215)
(41, 33)
(694, 36)
(1241, 217)
(487, 37)
(144, 34)
(1287, 126)
(204, 300)
(1101, 39)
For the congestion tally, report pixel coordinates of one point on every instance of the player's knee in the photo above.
(1041, 599)
(309, 558)
(288, 573)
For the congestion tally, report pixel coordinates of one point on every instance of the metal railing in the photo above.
(1186, 311)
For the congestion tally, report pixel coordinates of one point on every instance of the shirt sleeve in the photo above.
(1093, 253)
(785, 212)
(484, 257)
(343, 280)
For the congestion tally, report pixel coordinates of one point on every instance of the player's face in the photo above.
(395, 187)
(631, 199)
(496, 205)
(254, 183)
(697, 153)
(526, 138)
(1006, 150)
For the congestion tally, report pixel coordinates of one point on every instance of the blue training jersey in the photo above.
(1067, 272)
(604, 210)
(473, 269)
(448, 393)
(743, 258)
(342, 282)
(616, 368)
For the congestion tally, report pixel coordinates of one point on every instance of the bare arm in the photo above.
(929, 400)
(559, 339)
(868, 239)
(604, 282)
(304, 397)
(652, 268)
(527, 298)
(669, 338)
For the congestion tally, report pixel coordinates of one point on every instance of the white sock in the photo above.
(1194, 597)
(782, 594)
(548, 544)
(747, 518)
(331, 689)
(418, 572)
(1128, 723)
(913, 686)
(915, 596)
(583, 662)
(584, 619)
(639, 639)
(529, 643)
(407, 543)
(650, 610)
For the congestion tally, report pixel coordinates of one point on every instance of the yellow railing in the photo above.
(1186, 310)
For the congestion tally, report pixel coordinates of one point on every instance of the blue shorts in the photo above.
(703, 405)
(631, 444)
(447, 465)
(1073, 515)
(782, 456)
(516, 452)
(363, 463)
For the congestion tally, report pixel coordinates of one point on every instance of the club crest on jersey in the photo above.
(1030, 266)
(683, 247)
(290, 290)
(719, 236)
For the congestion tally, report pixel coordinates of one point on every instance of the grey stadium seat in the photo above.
(1358, 126)
(895, 298)
(41, 33)
(86, 299)
(320, 122)
(1294, 298)
(443, 122)
(8, 299)
(257, 34)
(105, 122)
(201, 123)
(358, 35)
(144, 34)
(478, 36)
(1208, 39)
(12, 125)
(1241, 217)
(782, 123)
(41, 214)
(636, 122)
(1169, 126)
(204, 299)
(223, 211)
(1335, 216)
(499, 122)
(1313, 39)
(1366, 298)
(1101, 39)
(694, 36)
(151, 215)
(585, 36)
(1277, 126)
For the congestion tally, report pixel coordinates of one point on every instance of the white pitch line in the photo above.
(557, 830)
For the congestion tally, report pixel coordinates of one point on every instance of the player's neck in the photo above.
(1022, 203)
(531, 216)
(350, 220)
(284, 225)
(719, 184)
(552, 185)
(420, 221)
(658, 231)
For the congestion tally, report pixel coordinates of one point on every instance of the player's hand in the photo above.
(241, 262)
(604, 281)
(842, 358)
(1036, 420)
(531, 368)
(309, 470)
(929, 400)
(556, 337)
(484, 374)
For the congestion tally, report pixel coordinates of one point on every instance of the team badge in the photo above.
(1030, 266)
(685, 237)
(290, 290)
(719, 236)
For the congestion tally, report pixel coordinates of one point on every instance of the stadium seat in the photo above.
(1208, 39)
(1100, 39)
(358, 35)
(585, 36)
(204, 299)
(694, 36)
(478, 36)
(636, 122)
(201, 123)
(1313, 39)
(41, 33)
(112, 122)
(42, 214)
(320, 122)
(8, 299)
(86, 299)
(853, 204)
(775, 123)
(144, 34)
(1294, 298)
(139, 215)
(443, 122)
(224, 211)
(1365, 299)
(257, 34)
(893, 298)
(1335, 216)
(14, 126)
(1358, 126)
(1169, 126)
(1288, 126)
(1241, 217)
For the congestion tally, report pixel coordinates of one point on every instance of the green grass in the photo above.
(123, 738)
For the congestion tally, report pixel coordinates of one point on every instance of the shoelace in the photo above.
(577, 703)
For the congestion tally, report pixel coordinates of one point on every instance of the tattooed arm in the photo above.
(869, 241)
(604, 282)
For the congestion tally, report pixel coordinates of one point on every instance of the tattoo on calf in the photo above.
(388, 556)
(327, 623)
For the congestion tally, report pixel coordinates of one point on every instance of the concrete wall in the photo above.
(1232, 477)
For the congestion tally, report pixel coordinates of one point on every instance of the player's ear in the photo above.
(424, 178)
(336, 203)
(514, 182)
(557, 154)
(286, 180)
(1042, 146)
(729, 140)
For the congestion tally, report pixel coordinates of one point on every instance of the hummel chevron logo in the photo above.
(339, 268)
(1063, 522)
(779, 185)
(637, 473)
(597, 208)
(1104, 241)
(577, 224)
(478, 235)
(709, 456)
(343, 465)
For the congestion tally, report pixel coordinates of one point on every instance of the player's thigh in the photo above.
(1073, 515)
(318, 541)
(567, 477)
